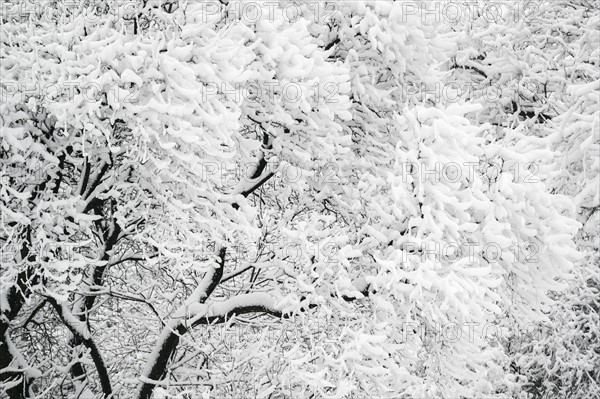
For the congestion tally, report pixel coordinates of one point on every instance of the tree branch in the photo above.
(156, 365)
(262, 165)
(80, 331)
(85, 176)
(14, 298)
(37, 308)
(470, 67)
(236, 273)
(258, 184)
(332, 43)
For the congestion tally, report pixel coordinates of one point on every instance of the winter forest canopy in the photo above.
(351, 199)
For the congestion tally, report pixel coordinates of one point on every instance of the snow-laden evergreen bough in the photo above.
(198, 203)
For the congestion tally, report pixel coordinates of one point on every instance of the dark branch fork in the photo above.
(80, 330)
(16, 295)
(22, 290)
(165, 349)
(156, 371)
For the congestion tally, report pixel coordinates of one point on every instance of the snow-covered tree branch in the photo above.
(392, 199)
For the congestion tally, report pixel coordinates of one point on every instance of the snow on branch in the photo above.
(80, 330)
(220, 312)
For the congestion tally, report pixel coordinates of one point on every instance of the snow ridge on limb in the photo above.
(196, 312)
(169, 338)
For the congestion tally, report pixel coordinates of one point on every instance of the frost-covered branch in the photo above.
(258, 176)
(11, 303)
(167, 343)
(220, 312)
(79, 329)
